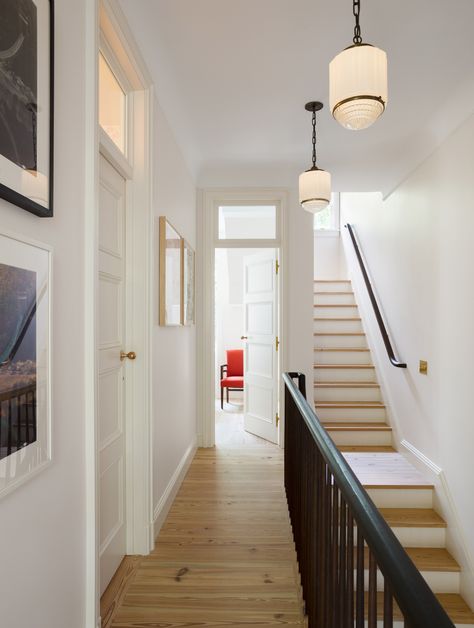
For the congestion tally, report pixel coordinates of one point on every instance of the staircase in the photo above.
(349, 403)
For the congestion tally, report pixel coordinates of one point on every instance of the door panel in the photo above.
(260, 356)
(111, 371)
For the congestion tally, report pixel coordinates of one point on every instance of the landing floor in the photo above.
(225, 555)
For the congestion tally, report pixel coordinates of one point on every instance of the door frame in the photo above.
(207, 238)
(109, 33)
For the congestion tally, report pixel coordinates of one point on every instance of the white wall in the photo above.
(419, 247)
(329, 259)
(42, 523)
(174, 348)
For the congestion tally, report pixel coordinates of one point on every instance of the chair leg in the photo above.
(222, 397)
(227, 395)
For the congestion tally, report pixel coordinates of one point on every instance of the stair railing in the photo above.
(353, 568)
(373, 300)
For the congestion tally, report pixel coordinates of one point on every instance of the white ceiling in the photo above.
(232, 77)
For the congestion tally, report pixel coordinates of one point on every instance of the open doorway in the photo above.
(246, 340)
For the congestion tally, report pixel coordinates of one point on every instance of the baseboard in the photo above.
(164, 504)
(445, 504)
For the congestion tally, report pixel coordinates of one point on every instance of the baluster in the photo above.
(327, 547)
(335, 553)
(349, 621)
(321, 579)
(9, 432)
(387, 605)
(360, 581)
(342, 560)
(372, 623)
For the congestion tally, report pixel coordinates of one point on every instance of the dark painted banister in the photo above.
(373, 300)
(418, 604)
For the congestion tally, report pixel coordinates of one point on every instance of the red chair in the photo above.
(234, 373)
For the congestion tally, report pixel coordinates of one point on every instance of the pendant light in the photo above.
(314, 184)
(358, 82)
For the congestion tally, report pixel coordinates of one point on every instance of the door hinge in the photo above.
(277, 266)
(277, 416)
(277, 343)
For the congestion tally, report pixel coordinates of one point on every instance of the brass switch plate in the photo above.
(423, 367)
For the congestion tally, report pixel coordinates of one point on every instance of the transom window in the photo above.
(247, 222)
(112, 105)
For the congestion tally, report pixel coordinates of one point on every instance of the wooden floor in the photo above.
(225, 555)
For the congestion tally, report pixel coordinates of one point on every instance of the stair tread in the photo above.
(366, 349)
(344, 366)
(346, 384)
(337, 318)
(332, 281)
(334, 304)
(386, 470)
(354, 448)
(453, 604)
(349, 404)
(412, 518)
(333, 292)
(426, 558)
(339, 333)
(356, 425)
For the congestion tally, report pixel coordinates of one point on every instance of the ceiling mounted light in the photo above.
(358, 82)
(315, 184)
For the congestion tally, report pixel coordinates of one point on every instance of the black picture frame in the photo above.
(13, 196)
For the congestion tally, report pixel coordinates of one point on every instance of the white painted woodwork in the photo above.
(402, 497)
(326, 356)
(111, 370)
(333, 286)
(332, 311)
(347, 392)
(335, 340)
(347, 411)
(421, 537)
(324, 374)
(336, 324)
(260, 355)
(338, 298)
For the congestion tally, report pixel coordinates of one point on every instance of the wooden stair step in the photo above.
(386, 470)
(332, 281)
(412, 518)
(425, 559)
(332, 318)
(455, 606)
(353, 305)
(349, 404)
(343, 366)
(331, 349)
(333, 292)
(339, 333)
(346, 384)
(357, 426)
(375, 448)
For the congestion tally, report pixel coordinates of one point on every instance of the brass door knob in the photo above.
(131, 355)
(243, 338)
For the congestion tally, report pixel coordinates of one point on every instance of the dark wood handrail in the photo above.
(418, 604)
(373, 300)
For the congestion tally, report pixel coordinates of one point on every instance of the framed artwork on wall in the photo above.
(170, 274)
(26, 104)
(25, 370)
(187, 284)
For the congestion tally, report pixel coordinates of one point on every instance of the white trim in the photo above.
(162, 508)
(456, 541)
(208, 200)
(327, 233)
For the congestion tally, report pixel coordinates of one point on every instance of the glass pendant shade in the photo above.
(315, 190)
(358, 86)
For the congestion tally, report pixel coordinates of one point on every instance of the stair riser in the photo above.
(402, 497)
(347, 394)
(362, 437)
(331, 299)
(344, 374)
(418, 537)
(336, 312)
(342, 357)
(375, 414)
(336, 326)
(438, 581)
(332, 286)
(336, 342)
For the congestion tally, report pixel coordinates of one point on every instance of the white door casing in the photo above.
(261, 377)
(111, 370)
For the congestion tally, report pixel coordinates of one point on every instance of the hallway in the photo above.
(225, 554)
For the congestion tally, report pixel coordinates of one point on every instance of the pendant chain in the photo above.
(314, 138)
(357, 39)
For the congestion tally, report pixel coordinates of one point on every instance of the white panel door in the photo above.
(111, 370)
(260, 355)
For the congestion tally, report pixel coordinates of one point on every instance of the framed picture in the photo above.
(25, 379)
(170, 273)
(187, 284)
(26, 104)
